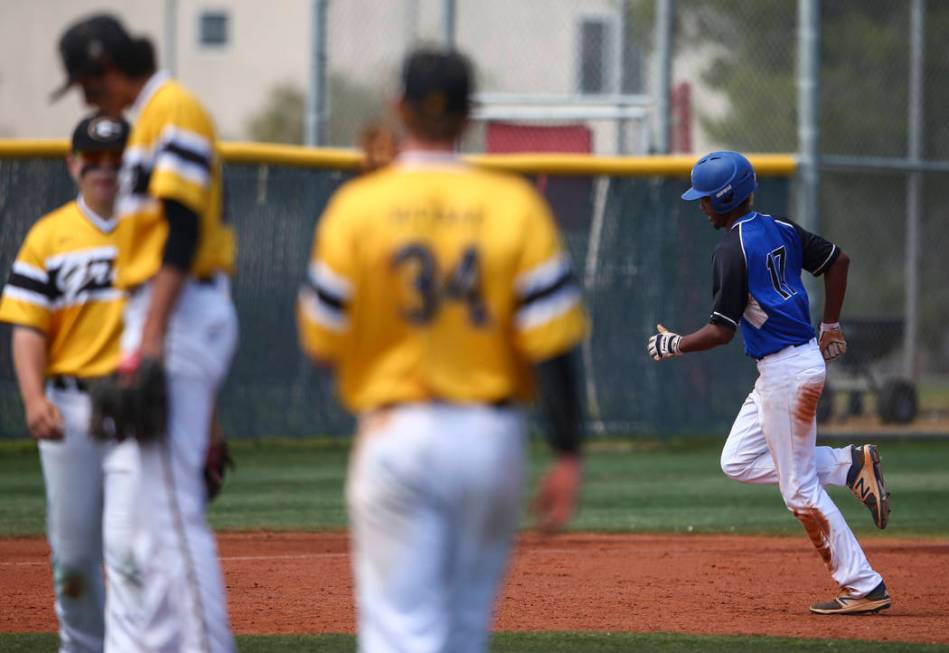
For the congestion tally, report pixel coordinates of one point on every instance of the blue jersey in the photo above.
(757, 281)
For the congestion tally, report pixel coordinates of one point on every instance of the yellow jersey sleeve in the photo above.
(184, 158)
(549, 318)
(26, 296)
(323, 305)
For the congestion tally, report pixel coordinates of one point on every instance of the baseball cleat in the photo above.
(865, 481)
(872, 603)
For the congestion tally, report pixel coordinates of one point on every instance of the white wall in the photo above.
(523, 46)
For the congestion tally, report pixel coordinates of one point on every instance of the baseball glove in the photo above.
(216, 465)
(831, 342)
(132, 403)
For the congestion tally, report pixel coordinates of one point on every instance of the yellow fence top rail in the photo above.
(340, 158)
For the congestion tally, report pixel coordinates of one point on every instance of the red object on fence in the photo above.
(680, 138)
(509, 138)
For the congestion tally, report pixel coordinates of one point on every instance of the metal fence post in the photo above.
(170, 45)
(316, 92)
(808, 129)
(914, 184)
(411, 24)
(665, 19)
(448, 23)
(622, 9)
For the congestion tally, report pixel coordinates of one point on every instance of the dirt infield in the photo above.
(301, 583)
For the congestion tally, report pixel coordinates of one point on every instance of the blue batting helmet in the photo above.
(726, 178)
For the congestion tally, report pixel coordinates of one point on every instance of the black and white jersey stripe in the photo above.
(69, 279)
(28, 284)
(325, 297)
(184, 153)
(545, 293)
(818, 253)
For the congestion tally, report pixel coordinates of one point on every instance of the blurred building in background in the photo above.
(247, 57)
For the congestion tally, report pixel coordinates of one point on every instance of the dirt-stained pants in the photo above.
(773, 440)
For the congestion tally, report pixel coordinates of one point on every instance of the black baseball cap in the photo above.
(100, 133)
(438, 82)
(88, 45)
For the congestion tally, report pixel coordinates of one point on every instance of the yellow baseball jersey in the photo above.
(61, 284)
(437, 282)
(171, 154)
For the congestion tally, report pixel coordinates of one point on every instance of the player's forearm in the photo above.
(835, 287)
(708, 337)
(29, 359)
(165, 291)
(558, 384)
(178, 255)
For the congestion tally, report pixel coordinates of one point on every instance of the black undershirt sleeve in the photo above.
(729, 284)
(818, 253)
(182, 241)
(558, 385)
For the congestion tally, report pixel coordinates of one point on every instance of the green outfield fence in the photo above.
(642, 255)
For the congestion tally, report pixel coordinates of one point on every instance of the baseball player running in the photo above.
(174, 256)
(756, 270)
(441, 295)
(67, 319)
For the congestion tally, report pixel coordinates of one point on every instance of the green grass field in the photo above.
(629, 487)
(546, 643)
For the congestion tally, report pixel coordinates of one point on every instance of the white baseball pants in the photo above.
(173, 584)
(75, 485)
(773, 440)
(434, 495)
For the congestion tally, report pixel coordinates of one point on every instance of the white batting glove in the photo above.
(664, 344)
(831, 341)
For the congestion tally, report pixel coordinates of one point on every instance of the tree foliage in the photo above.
(750, 52)
(281, 118)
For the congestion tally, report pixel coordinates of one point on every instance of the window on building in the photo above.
(595, 60)
(214, 28)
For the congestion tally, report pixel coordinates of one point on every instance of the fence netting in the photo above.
(641, 254)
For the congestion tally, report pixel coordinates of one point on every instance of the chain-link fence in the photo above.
(637, 76)
(642, 256)
(879, 117)
(733, 78)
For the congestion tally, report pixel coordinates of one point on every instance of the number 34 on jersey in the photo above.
(437, 285)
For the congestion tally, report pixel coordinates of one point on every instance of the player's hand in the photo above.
(43, 419)
(216, 464)
(556, 498)
(129, 364)
(831, 341)
(664, 344)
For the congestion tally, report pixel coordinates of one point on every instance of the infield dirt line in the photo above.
(296, 556)
(290, 583)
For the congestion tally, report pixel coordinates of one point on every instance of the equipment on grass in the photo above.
(726, 178)
(871, 340)
(131, 404)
